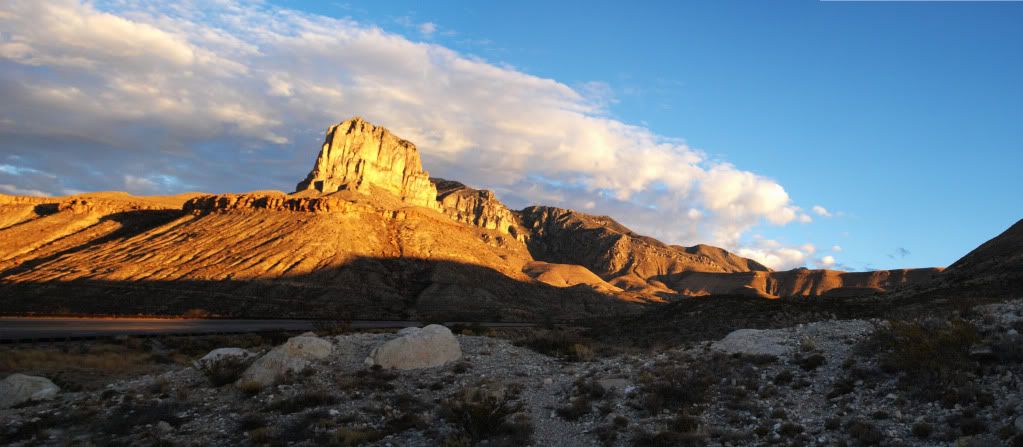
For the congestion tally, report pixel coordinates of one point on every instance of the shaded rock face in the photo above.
(616, 253)
(996, 266)
(476, 207)
(291, 357)
(416, 348)
(357, 155)
(17, 389)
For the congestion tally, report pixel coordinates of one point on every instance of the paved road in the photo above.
(16, 328)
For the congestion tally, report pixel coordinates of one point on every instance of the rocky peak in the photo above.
(477, 207)
(358, 156)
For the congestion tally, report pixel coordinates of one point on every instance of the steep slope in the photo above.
(995, 267)
(617, 254)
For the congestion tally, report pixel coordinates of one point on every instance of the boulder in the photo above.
(291, 357)
(219, 354)
(755, 342)
(17, 389)
(416, 348)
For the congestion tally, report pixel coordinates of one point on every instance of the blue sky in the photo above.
(900, 118)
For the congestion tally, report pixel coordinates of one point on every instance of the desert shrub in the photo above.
(371, 379)
(224, 370)
(128, 416)
(865, 432)
(348, 437)
(481, 414)
(812, 362)
(789, 429)
(251, 421)
(559, 343)
(668, 439)
(928, 354)
(299, 402)
(784, 377)
(250, 387)
(922, 429)
(678, 386)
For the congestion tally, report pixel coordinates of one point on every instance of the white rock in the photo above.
(1019, 424)
(17, 389)
(222, 353)
(291, 357)
(754, 342)
(416, 348)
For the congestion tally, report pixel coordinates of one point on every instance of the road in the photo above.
(42, 328)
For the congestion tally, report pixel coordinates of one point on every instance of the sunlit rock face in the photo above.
(357, 155)
(478, 207)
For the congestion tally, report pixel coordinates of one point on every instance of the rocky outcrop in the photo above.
(478, 207)
(357, 155)
(416, 348)
(17, 389)
(290, 358)
(616, 253)
(799, 282)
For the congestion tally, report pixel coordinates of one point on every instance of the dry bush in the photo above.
(680, 386)
(929, 355)
(559, 343)
(299, 402)
(481, 414)
(225, 370)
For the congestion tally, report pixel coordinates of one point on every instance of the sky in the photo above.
(844, 135)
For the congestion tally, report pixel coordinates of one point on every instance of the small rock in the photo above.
(1018, 423)
(164, 427)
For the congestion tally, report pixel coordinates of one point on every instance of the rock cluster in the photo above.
(357, 155)
(290, 358)
(478, 207)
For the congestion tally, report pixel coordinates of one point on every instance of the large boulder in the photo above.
(415, 348)
(291, 357)
(17, 389)
(755, 342)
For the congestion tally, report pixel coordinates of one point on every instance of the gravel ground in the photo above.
(813, 384)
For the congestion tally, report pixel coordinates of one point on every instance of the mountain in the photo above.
(366, 233)
(995, 267)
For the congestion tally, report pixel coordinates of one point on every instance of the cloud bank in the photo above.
(229, 96)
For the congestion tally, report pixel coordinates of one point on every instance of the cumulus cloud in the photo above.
(776, 255)
(821, 211)
(235, 96)
(827, 261)
(836, 248)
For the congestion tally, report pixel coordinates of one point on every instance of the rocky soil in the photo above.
(953, 381)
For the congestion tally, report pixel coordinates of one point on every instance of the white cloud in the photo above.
(776, 255)
(827, 261)
(16, 191)
(836, 248)
(427, 28)
(821, 211)
(232, 95)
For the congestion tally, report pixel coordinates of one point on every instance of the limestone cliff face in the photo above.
(477, 207)
(357, 155)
